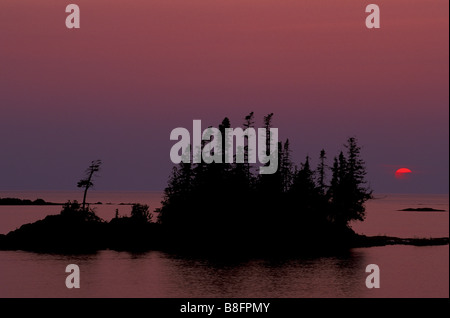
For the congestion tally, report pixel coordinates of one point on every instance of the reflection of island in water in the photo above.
(225, 207)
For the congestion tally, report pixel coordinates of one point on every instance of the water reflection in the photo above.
(274, 277)
(406, 271)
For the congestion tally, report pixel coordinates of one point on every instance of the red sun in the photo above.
(402, 173)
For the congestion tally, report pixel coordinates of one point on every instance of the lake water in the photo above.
(405, 271)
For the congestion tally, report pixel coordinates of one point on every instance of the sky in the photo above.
(115, 88)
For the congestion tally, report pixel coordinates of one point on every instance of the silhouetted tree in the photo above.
(140, 213)
(267, 126)
(303, 184)
(269, 183)
(321, 172)
(356, 189)
(87, 182)
(348, 192)
(224, 125)
(248, 123)
(286, 166)
(337, 191)
(177, 193)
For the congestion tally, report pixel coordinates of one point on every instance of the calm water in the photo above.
(406, 271)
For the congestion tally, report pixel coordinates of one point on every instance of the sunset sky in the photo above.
(115, 88)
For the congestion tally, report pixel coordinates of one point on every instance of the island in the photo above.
(16, 201)
(77, 230)
(227, 208)
(422, 210)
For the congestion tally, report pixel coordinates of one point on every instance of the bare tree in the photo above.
(87, 182)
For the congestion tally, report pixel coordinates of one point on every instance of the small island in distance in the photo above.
(225, 208)
(16, 201)
(422, 210)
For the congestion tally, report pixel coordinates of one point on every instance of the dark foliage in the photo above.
(227, 205)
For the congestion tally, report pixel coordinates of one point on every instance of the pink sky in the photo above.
(115, 88)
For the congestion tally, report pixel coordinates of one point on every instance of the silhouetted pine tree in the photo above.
(321, 172)
(269, 183)
(336, 191)
(348, 192)
(248, 123)
(286, 167)
(304, 187)
(356, 190)
(224, 125)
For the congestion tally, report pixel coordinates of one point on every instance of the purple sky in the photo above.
(114, 89)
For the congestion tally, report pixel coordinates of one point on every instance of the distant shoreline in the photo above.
(422, 210)
(38, 202)
(16, 201)
(374, 241)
